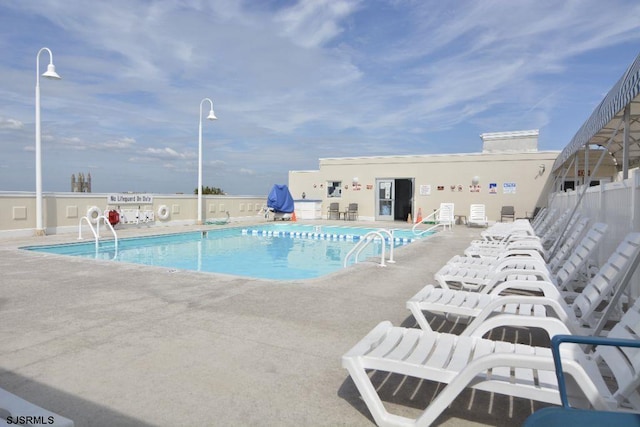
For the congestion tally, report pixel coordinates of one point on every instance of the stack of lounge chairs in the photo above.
(517, 275)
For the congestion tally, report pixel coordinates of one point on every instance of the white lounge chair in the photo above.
(477, 216)
(16, 407)
(510, 369)
(554, 262)
(483, 279)
(491, 257)
(550, 312)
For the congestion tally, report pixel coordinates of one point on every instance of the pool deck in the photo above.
(108, 344)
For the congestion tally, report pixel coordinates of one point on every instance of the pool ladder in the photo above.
(96, 231)
(368, 239)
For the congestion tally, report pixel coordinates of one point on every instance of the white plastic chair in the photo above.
(510, 369)
(550, 312)
(491, 257)
(477, 216)
(484, 278)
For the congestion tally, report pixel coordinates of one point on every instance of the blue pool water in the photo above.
(269, 251)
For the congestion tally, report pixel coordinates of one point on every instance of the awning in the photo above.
(607, 122)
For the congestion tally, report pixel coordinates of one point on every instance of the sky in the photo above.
(291, 81)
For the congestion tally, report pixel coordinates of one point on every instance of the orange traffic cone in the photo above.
(419, 218)
(293, 217)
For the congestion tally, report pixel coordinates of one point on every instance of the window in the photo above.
(333, 189)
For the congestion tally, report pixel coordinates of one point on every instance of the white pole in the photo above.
(211, 116)
(50, 73)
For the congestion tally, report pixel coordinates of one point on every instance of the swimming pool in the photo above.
(269, 251)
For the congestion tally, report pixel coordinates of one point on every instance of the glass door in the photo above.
(385, 198)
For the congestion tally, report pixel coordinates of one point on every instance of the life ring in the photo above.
(93, 213)
(163, 212)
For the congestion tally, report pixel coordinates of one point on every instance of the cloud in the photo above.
(297, 80)
(119, 144)
(12, 124)
(313, 23)
(166, 153)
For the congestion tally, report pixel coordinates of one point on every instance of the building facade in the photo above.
(510, 171)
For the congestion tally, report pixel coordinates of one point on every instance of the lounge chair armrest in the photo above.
(544, 286)
(370, 340)
(579, 339)
(551, 325)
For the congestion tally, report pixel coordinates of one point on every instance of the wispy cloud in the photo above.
(10, 124)
(298, 80)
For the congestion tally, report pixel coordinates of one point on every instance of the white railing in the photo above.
(96, 231)
(442, 217)
(616, 203)
(368, 239)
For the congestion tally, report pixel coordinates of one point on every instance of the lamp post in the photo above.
(50, 74)
(211, 116)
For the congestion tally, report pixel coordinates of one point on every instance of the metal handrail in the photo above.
(366, 240)
(96, 231)
(90, 227)
(435, 218)
(113, 231)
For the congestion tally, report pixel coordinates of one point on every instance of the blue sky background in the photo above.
(292, 82)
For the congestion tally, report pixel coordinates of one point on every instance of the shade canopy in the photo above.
(606, 125)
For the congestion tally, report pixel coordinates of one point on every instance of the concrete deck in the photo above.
(107, 344)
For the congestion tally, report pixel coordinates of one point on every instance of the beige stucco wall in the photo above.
(63, 211)
(523, 169)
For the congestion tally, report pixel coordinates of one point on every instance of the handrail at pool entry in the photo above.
(366, 240)
(96, 231)
(86, 218)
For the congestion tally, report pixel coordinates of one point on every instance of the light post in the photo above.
(50, 74)
(211, 116)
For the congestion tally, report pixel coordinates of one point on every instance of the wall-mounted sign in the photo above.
(474, 188)
(493, 188)
(440, 187)
(129, 199)
(509, 188)
(425, 190)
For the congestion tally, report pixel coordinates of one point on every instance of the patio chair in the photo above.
(516, 370)
(333, 211)
(488, 259)
(16, 407)
(527, 246)
(507, 212)
(549, 312)
(502, 233)
(554, 416)
(484, 278)
(351, 213)
(477, 216)
(490, 256)
(539, 216)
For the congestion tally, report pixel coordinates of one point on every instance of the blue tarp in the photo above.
(280, 199)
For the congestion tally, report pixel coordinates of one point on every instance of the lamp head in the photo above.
(211, 115)
(51, 72)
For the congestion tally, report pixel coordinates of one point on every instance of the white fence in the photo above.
(616, 204)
